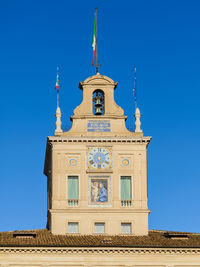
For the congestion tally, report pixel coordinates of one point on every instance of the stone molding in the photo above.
(92, 251)
(108, 210)
(99, 139)
(97, 80)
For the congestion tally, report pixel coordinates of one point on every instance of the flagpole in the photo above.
(57, 84)
(97, 62)
(57, 99)
(134, 89)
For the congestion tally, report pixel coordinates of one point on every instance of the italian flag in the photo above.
(57, 85)
(94, 39)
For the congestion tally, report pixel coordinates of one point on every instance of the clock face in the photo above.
(99, 158)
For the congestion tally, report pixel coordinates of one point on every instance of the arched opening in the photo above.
(98, 102)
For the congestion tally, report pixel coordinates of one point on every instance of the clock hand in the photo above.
(99, 159)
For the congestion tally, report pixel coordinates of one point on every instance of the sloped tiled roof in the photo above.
(44, 238)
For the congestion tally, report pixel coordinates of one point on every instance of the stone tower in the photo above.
(97, 171)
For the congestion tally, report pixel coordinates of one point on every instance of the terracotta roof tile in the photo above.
(44, 238)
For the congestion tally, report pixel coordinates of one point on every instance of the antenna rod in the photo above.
(97, 62)
(134, 89)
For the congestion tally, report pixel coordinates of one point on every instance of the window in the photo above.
(72, 227)
(73, 191)
(98, 102)
(99, 228)
(126, 192)
(126, 228)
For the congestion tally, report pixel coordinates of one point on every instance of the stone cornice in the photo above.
(100, 250)
(105, 117)
(100, 210)
(99, 139)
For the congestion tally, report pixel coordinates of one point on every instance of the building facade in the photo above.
(97, 196)
(97, 171)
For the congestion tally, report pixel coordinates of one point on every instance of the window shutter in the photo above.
(126, 188)
(73, 227)
(126, 228)
(99, 228)
(73, 190)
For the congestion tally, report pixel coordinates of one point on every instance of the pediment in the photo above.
(98, 79)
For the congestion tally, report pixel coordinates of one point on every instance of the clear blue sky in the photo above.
(161, 37)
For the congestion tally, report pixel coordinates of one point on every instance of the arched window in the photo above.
(98, 102)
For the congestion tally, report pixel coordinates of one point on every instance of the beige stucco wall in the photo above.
(112, 213)
(75, 257)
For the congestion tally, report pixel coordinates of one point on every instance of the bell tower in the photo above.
(97, 171)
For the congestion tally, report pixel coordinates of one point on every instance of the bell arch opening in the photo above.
(98, 102)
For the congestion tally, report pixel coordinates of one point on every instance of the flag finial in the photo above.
(58, 115)
(58, 111)
(137, 121)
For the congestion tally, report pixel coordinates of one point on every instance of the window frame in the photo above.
(99, 222)
(93, 108)
(131, 178)
(131, 228)
(73, 175)
(67, 198)
(70, 233)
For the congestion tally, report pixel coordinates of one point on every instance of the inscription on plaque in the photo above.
(98, 126)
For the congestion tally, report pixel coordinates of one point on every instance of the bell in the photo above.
(98, 102)
(98, 111)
